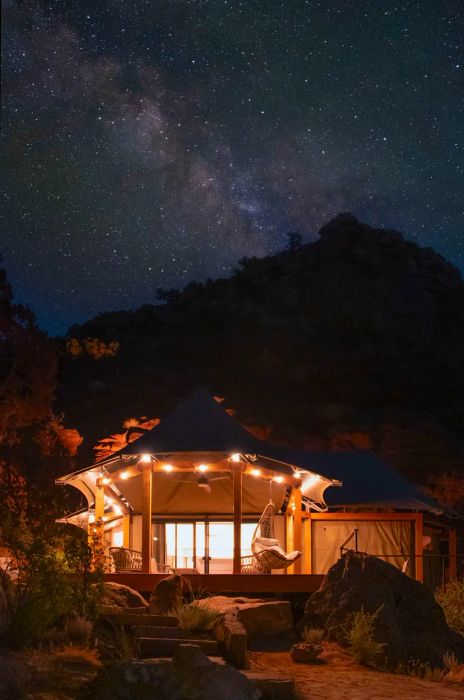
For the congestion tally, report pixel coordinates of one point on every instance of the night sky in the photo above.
(147, 143)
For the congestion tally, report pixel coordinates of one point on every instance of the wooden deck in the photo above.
(228, 583)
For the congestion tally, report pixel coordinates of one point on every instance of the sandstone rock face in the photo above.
(409, 623)
(260, 618)
(305, 653)
(115, 595)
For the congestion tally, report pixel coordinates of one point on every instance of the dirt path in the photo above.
(340, 677)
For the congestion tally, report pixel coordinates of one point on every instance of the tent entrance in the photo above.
(202, 546)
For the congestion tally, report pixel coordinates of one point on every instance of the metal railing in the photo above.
(436, 567)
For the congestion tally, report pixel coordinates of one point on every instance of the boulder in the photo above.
(166, 596)
(409, 621)
(260, 618)
(305, 653)
(190, 674)
(115, 595)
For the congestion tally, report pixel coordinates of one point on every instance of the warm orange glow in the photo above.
(235, 457)
(297, 474)
(117, 510)
(106, 480)
(202, 468)
(278, 479)
(167, 467)
(255, 472)
(145, 458)
(124, 475)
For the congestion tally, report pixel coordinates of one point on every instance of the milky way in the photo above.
(148, 143)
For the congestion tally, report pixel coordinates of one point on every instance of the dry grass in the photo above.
(56, 675)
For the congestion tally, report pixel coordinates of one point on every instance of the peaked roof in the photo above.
(201, 424)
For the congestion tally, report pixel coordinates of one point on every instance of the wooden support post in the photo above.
(96, 529)
(308, 543)
(453, 554)
(99, 502)
(297, 530)
(293, 528)
(126, 523)
(147, 483)
(237, 489)
(419, 546)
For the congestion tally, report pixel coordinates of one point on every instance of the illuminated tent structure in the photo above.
(199, 462)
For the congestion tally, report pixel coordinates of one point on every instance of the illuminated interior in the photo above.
(207, 547)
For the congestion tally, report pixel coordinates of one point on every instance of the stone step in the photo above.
(129, 619)
(272, 686)
(159, 632)
(147, 647)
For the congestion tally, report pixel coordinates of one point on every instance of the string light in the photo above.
(145, 458)
(278, 479)
(124, 475)
(235, 457)
(202, 468)
(106, 480)
(255, 472)
(167, 467)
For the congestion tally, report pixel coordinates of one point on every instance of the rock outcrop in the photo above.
(409, 622)
(116, 595)
(260, 618)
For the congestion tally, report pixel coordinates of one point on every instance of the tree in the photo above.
(27, 368)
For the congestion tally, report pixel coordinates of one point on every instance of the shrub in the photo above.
(361, 641)
(313, 635)
(450, 661)
(196, 617)
(451, 600)
(420, 669)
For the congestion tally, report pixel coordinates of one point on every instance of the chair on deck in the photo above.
(126, 559)
(266, 549)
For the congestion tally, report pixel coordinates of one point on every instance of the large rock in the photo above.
(410, 623)
(166, 596)
(190, 674)
(260, 618)
(115, 595)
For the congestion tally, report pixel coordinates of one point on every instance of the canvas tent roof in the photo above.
(201, 425)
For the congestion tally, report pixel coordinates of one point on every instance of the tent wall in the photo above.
(391, 540)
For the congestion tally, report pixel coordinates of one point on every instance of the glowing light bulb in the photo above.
(167, 467)
(202, 468)
(235, 457)
(255, 472)
(278, 479)
(106, 480)
(117, 510)
(297, 474)
(124, 475)
(145, 458)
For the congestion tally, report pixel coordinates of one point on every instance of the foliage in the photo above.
(450, 660)
(451, 600)
(313, 635)
(361, 639)
(27, 368)
(420, 669)
(94, 348)
(134, 427)
(196, 616)
(36, 597)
